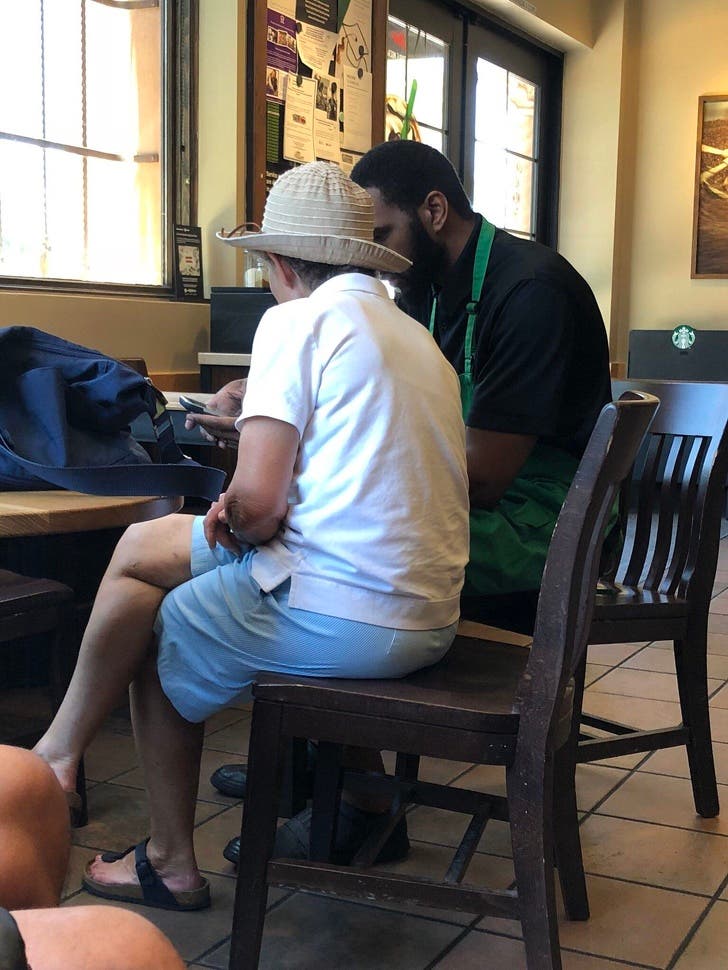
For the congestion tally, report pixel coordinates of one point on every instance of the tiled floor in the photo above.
(657, 873)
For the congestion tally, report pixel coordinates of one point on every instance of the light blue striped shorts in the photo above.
(217, 631)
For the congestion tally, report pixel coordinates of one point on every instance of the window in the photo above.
(505, 163)
(88, 165)
(491, 102)
(419, 61)
(512, 131)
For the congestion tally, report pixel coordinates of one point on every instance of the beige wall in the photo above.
(168, 335)
(682, 55)
(628, 161)
(564, 24)
(590, 144)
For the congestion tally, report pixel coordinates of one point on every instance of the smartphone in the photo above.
(192, 404)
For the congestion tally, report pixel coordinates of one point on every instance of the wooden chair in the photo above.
(136, 363)
(665, 578)
(36, 606)
(485, 702)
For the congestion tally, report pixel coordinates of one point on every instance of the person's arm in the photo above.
(519, 387)
(494, 460)
(256, 501)
(221, 428)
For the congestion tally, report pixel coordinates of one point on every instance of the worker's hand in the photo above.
(220, 428)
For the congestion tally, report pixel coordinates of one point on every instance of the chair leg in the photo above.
(325, 802)
(265, 765)
(566, 817)
(530, 799)
(691, 664)
(566, 836)
(407, 766)
(294, 794)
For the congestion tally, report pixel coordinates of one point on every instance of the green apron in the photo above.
(508, 544)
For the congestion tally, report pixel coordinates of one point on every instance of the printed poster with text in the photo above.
(317, 33)
(281, 56)
(326, 120)
(357, 110)
(298, 143)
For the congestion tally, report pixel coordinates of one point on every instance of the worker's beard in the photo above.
(428, 261)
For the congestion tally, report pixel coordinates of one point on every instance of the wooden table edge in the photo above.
(35, 522)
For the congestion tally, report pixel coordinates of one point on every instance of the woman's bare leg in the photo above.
(169, 748)
(150, 559)
(93, 938)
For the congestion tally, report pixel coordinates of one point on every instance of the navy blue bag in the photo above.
(65, 412)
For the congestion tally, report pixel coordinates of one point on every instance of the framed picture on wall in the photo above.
(710, 212)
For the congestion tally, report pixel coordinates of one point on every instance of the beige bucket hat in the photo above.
(315, 212)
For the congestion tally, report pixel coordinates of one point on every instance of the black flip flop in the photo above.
(151, 891)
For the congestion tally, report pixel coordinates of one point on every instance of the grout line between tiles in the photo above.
(613, 666)
(616, 960)
(228, 936)
(664, 825)
(690, 935)
(628, 773)
(650, 885)
(448, 949)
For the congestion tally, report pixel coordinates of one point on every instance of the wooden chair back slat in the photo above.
(672, 534)
(641, 525)
(685, 519)
(566, 601)
(668, 506)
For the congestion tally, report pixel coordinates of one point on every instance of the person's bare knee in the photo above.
(34, 831)
(85, 938)
(155, 552)
(26, 780)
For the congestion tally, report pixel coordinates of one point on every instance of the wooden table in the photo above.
(52, 513)
(69, 537)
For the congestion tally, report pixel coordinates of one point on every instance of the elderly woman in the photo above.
(338, 550)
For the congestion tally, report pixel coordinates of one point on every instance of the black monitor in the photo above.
(235, 312)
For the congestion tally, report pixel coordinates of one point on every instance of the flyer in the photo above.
(326, 119)
(280, 42)
(327, 96)
(317, 33)
(315, 47)
(357, 109)
(355, 35)
(298, 119)
(348, 161)
(188, 283)
(319, 13)
(275, 84)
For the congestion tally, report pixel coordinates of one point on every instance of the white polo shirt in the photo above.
(377, 528)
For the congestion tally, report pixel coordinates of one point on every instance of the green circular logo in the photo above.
(683, 337)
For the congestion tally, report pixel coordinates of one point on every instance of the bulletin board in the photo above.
(316, 86)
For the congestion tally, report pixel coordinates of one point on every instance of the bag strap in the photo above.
(169, 450)
(169, 479)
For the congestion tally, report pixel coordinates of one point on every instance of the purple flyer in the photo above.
(281, 48)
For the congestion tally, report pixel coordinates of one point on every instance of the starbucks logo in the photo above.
(683, 337)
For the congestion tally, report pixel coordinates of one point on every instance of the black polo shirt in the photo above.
(541, 360)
